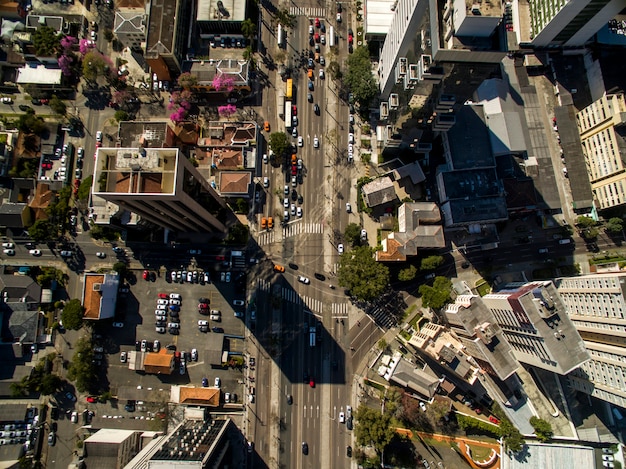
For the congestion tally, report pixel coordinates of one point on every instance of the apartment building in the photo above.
(596, 305)
(160, 185)
(535, 323)
(569, 23)
(602, 134)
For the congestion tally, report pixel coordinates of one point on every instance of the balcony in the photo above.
(394, 101)
(384, 110)
(413, 73)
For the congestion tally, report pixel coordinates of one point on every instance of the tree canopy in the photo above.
(72, 315)
(46, 41)
(543, 429)
(431, 262)
(42, 230)
(30, 123)
(359, 77)
(85, 188)
(408, 274)
(438, 295)
(57, 106)
(352, 234)
(81, 369)
(279, 142)
(373, 428)
(248, 28)
(615, 225)
(359, 272)
(585, 222)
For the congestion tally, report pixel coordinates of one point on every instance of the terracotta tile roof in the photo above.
(162, 358)
(41, 200)
(391, 251)
(235, 182)
(92, 298)
(202, 396)
(227, 158)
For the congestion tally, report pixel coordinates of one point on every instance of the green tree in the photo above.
(57, 106)
(590, 233)
(95, 65)
(279, 143)
(615, 225)
(247, 53)
(238, 234)
(31, 124)
(121, 268)
(359, 77)
(47, 275)
(352, 234)
(431, 262)
(108, 35)
(85, 188)
(42, 231)
(248, 28)
(187, 81)
(81, 369)
(543, 429)
(359, 272)
(373, 428)
(408, 274)
(285, 18)
(46, 41)
(120, 115)
(334, 70)
(438, 295)
(24, 168)
(585, 222)
(72, 315)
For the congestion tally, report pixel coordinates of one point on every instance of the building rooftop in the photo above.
(206, 70)
(39, 75)
(235, 182)
(469, 139)
(379, 191)
(161, 27)
(379, 16)
(136, 170)
(19, 288)
(191, 441)
(149, 134)
(219, 11)
(130, 21)
(109, 435)
(471, 183)
(190, 395)
(100, 295)
(224, 134)
(550, 456)
(37, 21)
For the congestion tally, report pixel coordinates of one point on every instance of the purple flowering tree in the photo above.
(226, 111)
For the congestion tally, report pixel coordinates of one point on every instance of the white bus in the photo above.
(288, 114)
(331, 37)
(281, 36)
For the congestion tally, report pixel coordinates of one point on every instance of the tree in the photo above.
(187, 81)
(81, 369)
(120, 115)
(95, 64)
(585, 222)
(431, 262)
(359, 272)
(72, 315)
(373, 428)
(615, 225)
(121, 268)
(352, 234)
(108, 35)
(359, 77)
(42, 230)
(85, 188)
(408, 274)
(47, 275)
(238, 234)
(543, 429)
(248, 28)
(247, 53)
(31, 124)
(279, 142)
(57, 106)
(46, 41)
(438, 295)
(334, 70)
(285, 18)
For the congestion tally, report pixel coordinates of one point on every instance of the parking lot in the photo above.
(139, 306)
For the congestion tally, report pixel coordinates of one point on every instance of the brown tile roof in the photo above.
(392, 253)
(162, 358)
(92, 298)
(227, 158)
(41, 200)
(130, 4)
(235, 182)
(202, 396)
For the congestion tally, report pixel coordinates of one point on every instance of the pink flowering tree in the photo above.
(221, 83)
(179, 115)
(65, 64)
(85, 46)
(226, 111)
(68, 42)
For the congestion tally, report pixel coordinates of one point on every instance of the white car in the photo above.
(94, 35)
(162, 302)
(218, 382)
(99, 136)
(299, 212)
(189, 276)
(265, 159)
(9, 252)
(8, 245)
(351, 138)
(266, 182)
(123, 357)
(74, 417)
(175, 302)
(238, 302)
(303, 279)
(118, 325)
(342, 417)
(340, 248)
(350, 148)
(322, 73)
(6, 100)
(175, 296)
(363, 235)
(286, 202)
(300, 141)
(101, 255)
(348, 207)
(35, 252)
(215, 318)
(194, 354)
(316, 142)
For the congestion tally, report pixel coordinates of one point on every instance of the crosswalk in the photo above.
(381, 317)
(295, 229)
(315, 305)
(339, 310)
(268, 237)
(317, 12)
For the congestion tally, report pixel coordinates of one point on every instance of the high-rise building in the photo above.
(160, 185)
(475, 326)
(569, 23)
(603, 138)
(534, 322)
(596, 305)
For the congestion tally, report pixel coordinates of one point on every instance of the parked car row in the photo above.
(191, 276)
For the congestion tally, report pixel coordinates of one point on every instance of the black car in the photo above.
(338, 7)
(174, 314)
(349, 423)
(319, 276)
(174, 331)
(300, 199)
(305, 378)
(174, 319)
(171, 347)
(137, 346)
(130, 406)
(30, 246)
(25, 108)
(305, 448)
(349, 451)
(294, 195)
(160, 323)
(217, 329)
(54, 413)
(203, 300)
(289, 399)
(36, 102)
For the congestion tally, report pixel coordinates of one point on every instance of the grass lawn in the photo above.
(480, 453)
(483, 288)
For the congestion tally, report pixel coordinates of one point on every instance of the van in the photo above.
(270, 223)
(565, 241)
(263, 223)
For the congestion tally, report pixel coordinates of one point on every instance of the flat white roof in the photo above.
(552, 456)
(110, 435)
(39, 75)
(378, 16)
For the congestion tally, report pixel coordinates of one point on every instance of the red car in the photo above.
(294, 170)
(316, 36)
(163, 296)
(46, 165)
(294, 110)
(492, 419)
(91, 400)
(317, 22)
(312, 383)
(203, 306)
(350, 39)
(219, 258)
(145, 275)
